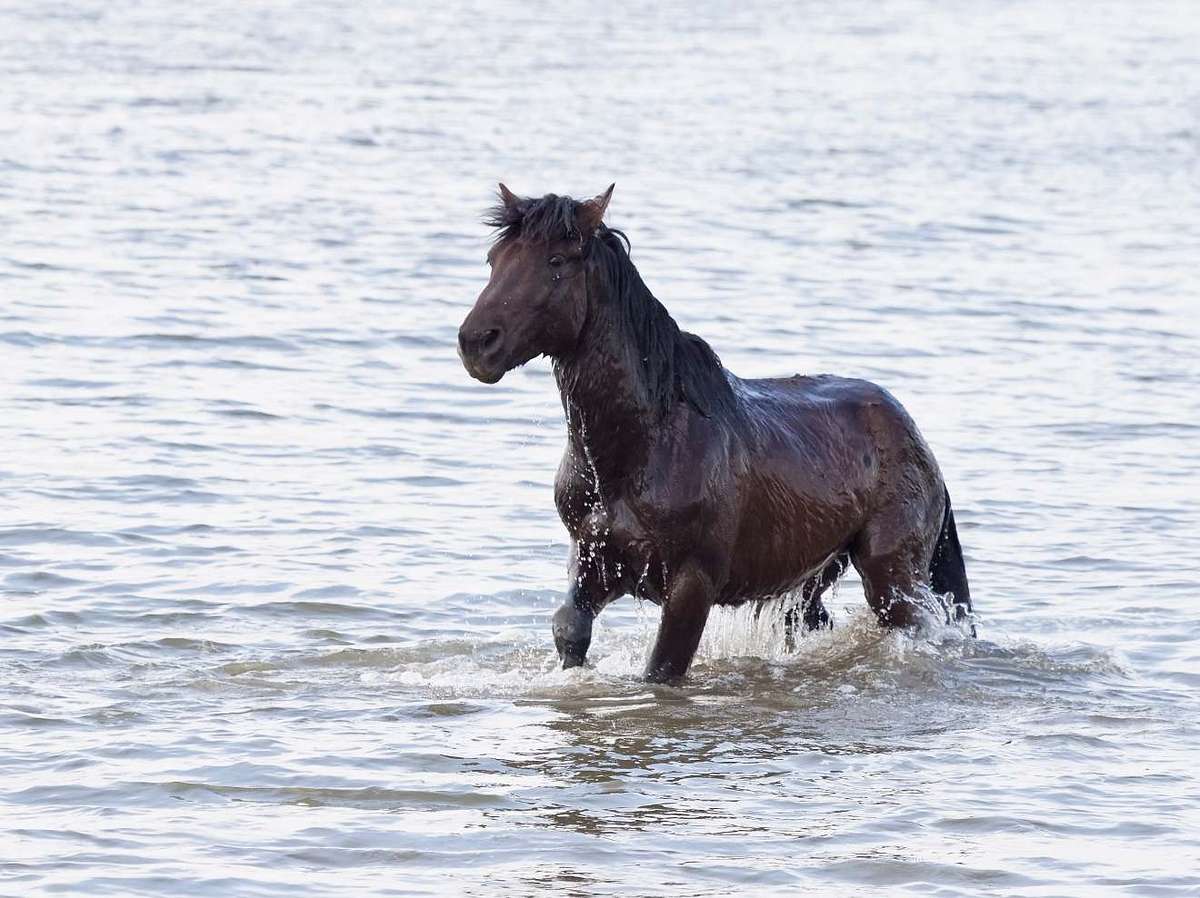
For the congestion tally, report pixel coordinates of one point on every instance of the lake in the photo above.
(277, 575)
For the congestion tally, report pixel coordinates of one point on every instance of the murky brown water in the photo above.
(277, 575)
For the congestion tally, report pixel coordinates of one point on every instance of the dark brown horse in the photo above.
(686, 485)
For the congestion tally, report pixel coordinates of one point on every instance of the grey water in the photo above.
(276, 575)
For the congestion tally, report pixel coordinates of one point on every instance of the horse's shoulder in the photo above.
(574, 491)
(685, 462)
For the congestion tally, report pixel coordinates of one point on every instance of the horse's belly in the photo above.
(786, 537)
(755, 575)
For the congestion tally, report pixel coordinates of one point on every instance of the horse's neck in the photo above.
(610, 422)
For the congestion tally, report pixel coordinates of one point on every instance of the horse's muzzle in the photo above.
(479, 351)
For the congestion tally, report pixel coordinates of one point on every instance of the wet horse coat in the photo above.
(684, 484)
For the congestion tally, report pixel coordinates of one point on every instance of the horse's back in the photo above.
(825, 412)
(816, 389)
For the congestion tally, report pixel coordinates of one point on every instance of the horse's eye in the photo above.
(555, 260)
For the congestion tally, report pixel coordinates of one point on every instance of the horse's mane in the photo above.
(674, 363)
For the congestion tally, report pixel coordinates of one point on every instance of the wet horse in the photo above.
(686, 485)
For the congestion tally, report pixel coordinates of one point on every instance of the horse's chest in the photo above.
(614, 544)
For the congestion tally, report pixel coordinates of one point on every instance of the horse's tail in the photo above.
(947, 572)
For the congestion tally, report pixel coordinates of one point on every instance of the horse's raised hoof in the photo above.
(570, 657)
(572, 635)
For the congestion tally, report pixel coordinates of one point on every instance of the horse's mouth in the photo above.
(481, 370)
(487, 377)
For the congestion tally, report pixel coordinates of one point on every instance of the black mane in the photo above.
(674, 364)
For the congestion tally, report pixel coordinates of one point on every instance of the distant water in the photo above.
(277, 575)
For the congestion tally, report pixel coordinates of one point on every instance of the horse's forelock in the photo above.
(539, 220)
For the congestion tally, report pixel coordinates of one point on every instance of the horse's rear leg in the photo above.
(892, 557)
(811, 613)
(891, 591)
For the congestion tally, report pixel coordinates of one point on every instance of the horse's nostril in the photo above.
(472, 342)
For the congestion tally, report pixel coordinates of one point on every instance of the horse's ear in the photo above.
(591, 212)
(507, 197)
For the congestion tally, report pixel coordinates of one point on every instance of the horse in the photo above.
(690, 487)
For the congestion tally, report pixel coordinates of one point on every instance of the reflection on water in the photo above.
(277, 575)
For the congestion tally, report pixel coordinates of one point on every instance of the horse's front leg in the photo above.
(587, 595)
(573, 626)
(689, 598)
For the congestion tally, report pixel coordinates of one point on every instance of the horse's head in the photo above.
(535, 301)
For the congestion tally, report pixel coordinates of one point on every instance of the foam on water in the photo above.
(743, 651)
